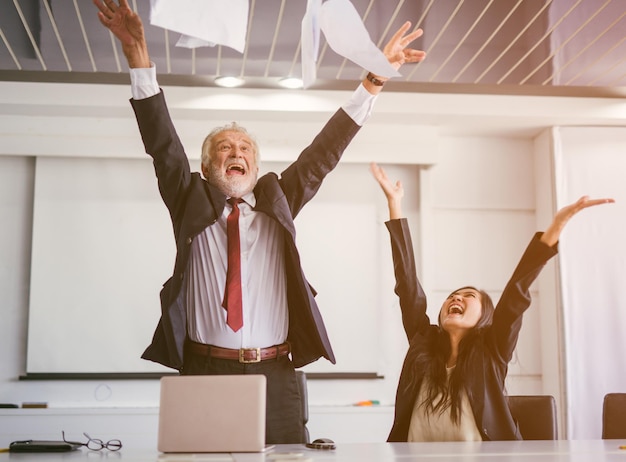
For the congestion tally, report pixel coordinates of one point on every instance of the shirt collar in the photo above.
(249, 199)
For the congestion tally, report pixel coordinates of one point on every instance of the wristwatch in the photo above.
(374, 80)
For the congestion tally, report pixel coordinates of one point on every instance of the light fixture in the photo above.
(228, 81)
(291, 82)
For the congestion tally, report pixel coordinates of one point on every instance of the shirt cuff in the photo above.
(360, 105)
(143, 82)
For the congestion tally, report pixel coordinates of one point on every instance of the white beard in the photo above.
(232, 186)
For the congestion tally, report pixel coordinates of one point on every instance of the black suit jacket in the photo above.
(489, 362)
(194, 204)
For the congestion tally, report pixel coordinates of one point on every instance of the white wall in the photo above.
(481, 198)
(480, 154)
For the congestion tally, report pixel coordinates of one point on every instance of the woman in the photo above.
(452, 383)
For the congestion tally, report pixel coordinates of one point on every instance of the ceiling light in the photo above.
(291, 82)
(228, 81)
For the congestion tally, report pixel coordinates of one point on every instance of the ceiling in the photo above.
(554, 47)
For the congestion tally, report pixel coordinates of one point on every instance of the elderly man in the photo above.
(238, 301)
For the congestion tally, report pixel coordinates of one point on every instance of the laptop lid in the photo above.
(212, 413)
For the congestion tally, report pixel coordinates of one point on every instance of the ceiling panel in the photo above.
(535, 46)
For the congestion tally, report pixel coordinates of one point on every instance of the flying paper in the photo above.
(346, 35)
(203, 22)
(310, 41)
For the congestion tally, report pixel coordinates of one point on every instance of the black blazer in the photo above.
(489, 363)
(194, 204)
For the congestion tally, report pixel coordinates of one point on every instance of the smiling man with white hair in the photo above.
(238, 301)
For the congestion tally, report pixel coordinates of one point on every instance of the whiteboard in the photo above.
(103, 246)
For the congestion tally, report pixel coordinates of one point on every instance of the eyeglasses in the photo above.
(95, 444)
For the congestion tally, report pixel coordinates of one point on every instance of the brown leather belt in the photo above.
(243, 355)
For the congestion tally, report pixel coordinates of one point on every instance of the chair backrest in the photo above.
(304, 397)
(535, 415)
(614, 416)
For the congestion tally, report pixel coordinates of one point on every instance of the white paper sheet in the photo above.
(346, 35)
(203, 22)
(310, 41)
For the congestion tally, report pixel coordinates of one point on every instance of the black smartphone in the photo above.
(42, 446)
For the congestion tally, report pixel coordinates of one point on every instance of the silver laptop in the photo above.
(212, 413)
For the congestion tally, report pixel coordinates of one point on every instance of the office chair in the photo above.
(535, 416)
(614, 416)
(301, 379)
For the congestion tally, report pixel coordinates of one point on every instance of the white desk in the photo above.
(516, 451)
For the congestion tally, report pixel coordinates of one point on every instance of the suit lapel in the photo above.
(271, 200)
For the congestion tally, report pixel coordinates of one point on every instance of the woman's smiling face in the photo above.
(461, 311)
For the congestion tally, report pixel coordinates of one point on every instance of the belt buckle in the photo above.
(242, 358)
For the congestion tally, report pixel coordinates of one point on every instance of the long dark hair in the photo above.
(442, 393)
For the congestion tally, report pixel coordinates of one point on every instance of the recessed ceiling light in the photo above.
(291, 82)
(228, 81)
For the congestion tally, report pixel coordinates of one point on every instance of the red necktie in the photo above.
(232, 294)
